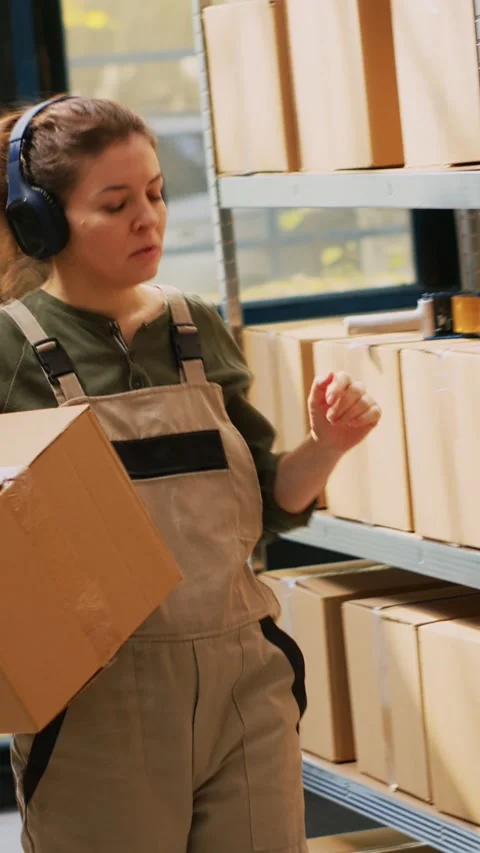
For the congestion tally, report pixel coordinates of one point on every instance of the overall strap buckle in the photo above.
(53, 358)
(186, 342)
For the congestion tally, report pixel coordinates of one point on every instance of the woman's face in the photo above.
(117, 216)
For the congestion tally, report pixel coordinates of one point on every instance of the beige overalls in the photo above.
(188, 742)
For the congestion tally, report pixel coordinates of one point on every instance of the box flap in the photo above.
(467, 629)
(435, 610)
(322, 569)
(395, 340)
(372, 841)
(370, 580)
(315, 333)
(401, 607)
(25, 435)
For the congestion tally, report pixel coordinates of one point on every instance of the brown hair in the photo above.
(63, 135)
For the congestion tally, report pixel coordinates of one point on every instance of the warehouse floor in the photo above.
(322, 819)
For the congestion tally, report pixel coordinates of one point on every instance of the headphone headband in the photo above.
(22, 128)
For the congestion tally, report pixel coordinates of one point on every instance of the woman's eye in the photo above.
(115, 209)
(156, 197)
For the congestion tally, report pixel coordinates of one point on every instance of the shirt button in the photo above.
(137, 384)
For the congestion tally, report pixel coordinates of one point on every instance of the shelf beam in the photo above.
(343, 785)
(393, 548)
(399, 188)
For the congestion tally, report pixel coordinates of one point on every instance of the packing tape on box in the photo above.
(15, 479)
(445, 433)
(287, 612)
(9, 474)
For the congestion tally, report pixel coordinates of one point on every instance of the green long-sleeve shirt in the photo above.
(104, 367)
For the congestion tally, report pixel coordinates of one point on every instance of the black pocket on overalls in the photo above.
(294, 655)
(41, 752)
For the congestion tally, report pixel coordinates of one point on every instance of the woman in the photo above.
(188, 741)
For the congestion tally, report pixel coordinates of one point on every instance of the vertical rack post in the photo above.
(468, 221)
(468, 236)
(224, 234)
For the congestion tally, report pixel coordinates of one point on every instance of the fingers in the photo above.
(350, 397)
(347, 402)
(356, 410)
(338, 385)
(319, 390)
(369, 418)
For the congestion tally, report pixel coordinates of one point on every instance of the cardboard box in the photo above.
(250, 87)
(437, 69)
(316, 624)
(372, 841)
(282, 582)
(441, 391)
(450, 654)
(82, 564)
(363, 487)
(386, 689)
(345, 84)
(296, 371)
(272, 370)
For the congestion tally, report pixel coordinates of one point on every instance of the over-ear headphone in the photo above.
(37, 220)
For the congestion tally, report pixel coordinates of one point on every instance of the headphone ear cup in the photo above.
(55, 221)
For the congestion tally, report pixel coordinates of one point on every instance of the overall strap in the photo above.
(54, 360)
(186, 339)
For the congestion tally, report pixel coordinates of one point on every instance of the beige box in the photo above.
(373, 841)
(441, 391)
(437, 69)
(371, 482)
(450, 655)
(345, 84)
(250, 87)
(296, 371)
(282, 582)
(315, 621)
(278, 354)
(385, 677)
(82, 564)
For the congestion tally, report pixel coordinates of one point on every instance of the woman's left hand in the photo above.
(341, 413)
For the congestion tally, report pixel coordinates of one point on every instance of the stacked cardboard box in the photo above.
(371, 482)
(250, 87)
(441, 393)
(345, 84)
(280, 357)
(312, 605)
(383, 640)
(439, 87)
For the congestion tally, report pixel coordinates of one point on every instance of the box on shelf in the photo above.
(371, 482)
(82, 564)
(441, 391)
(250, 87)
(345, 84)
(386, 683)
(450, 654)
(282, 582)
(279, 355)
(439, 89)
(314, 619)
(372, 841)
(296, 373)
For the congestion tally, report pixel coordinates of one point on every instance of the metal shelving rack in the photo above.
(457, 189)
